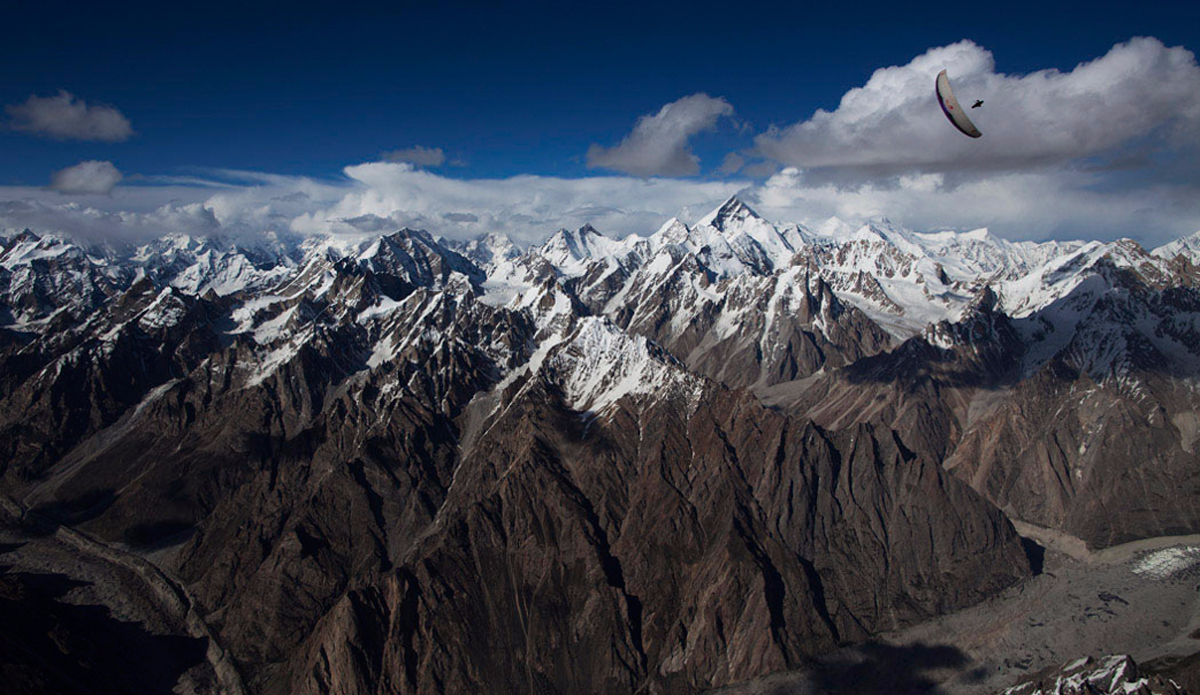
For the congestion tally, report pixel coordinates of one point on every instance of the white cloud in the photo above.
(382, 196)
(232, 203)
(1056, 203)
(87, 177)
(1139, 92)
(93, 223)
(658, 145)
(66, 118)
(733, 163)
(374, 197)
(527, 208)
(418, 155)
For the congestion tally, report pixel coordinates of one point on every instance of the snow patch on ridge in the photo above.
(599, 364)
(1167, 563)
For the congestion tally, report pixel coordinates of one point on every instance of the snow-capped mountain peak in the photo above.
(731, 212)
(672, 232)
(27, 247)
(487, 250)
(579, 244)
(573, 252)
(1188, 247)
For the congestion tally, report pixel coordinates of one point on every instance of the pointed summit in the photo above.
(577, 245)
(1188, 247)
(985, 301)
(26, 238)
(731, 211)
(981, 234)
(26, 235)
(414, 235)
(672, 230)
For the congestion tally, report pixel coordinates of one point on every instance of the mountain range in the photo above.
(657, 464)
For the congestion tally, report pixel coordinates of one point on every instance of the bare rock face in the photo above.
(67, 386)
(1183, 671)
(1053, 416)
(653, 547)
(1060, 454)
(924, 388)
(1116, 403)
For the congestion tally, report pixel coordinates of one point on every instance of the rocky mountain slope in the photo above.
(1110, 675)
(660, 463)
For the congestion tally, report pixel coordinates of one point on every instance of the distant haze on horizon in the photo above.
(467, 120)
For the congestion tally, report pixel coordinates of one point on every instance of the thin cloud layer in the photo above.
(1140, 93)
(374, 197)
(91, 177)
(382, 196)
(95, 223)
(1033, 205)
(418, 156)
(658, 145)
(64, 117)
(526, 208)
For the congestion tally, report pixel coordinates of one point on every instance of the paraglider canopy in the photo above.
(951, 108)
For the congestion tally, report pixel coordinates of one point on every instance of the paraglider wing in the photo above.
(951, 108)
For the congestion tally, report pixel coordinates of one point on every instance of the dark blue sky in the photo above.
(307, 89)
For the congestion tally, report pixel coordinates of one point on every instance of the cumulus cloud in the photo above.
(86, 177)
(418, 155)
(658, 144)
(1140, 92)
(65, 117)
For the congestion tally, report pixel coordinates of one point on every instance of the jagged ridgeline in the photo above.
(654, 464)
